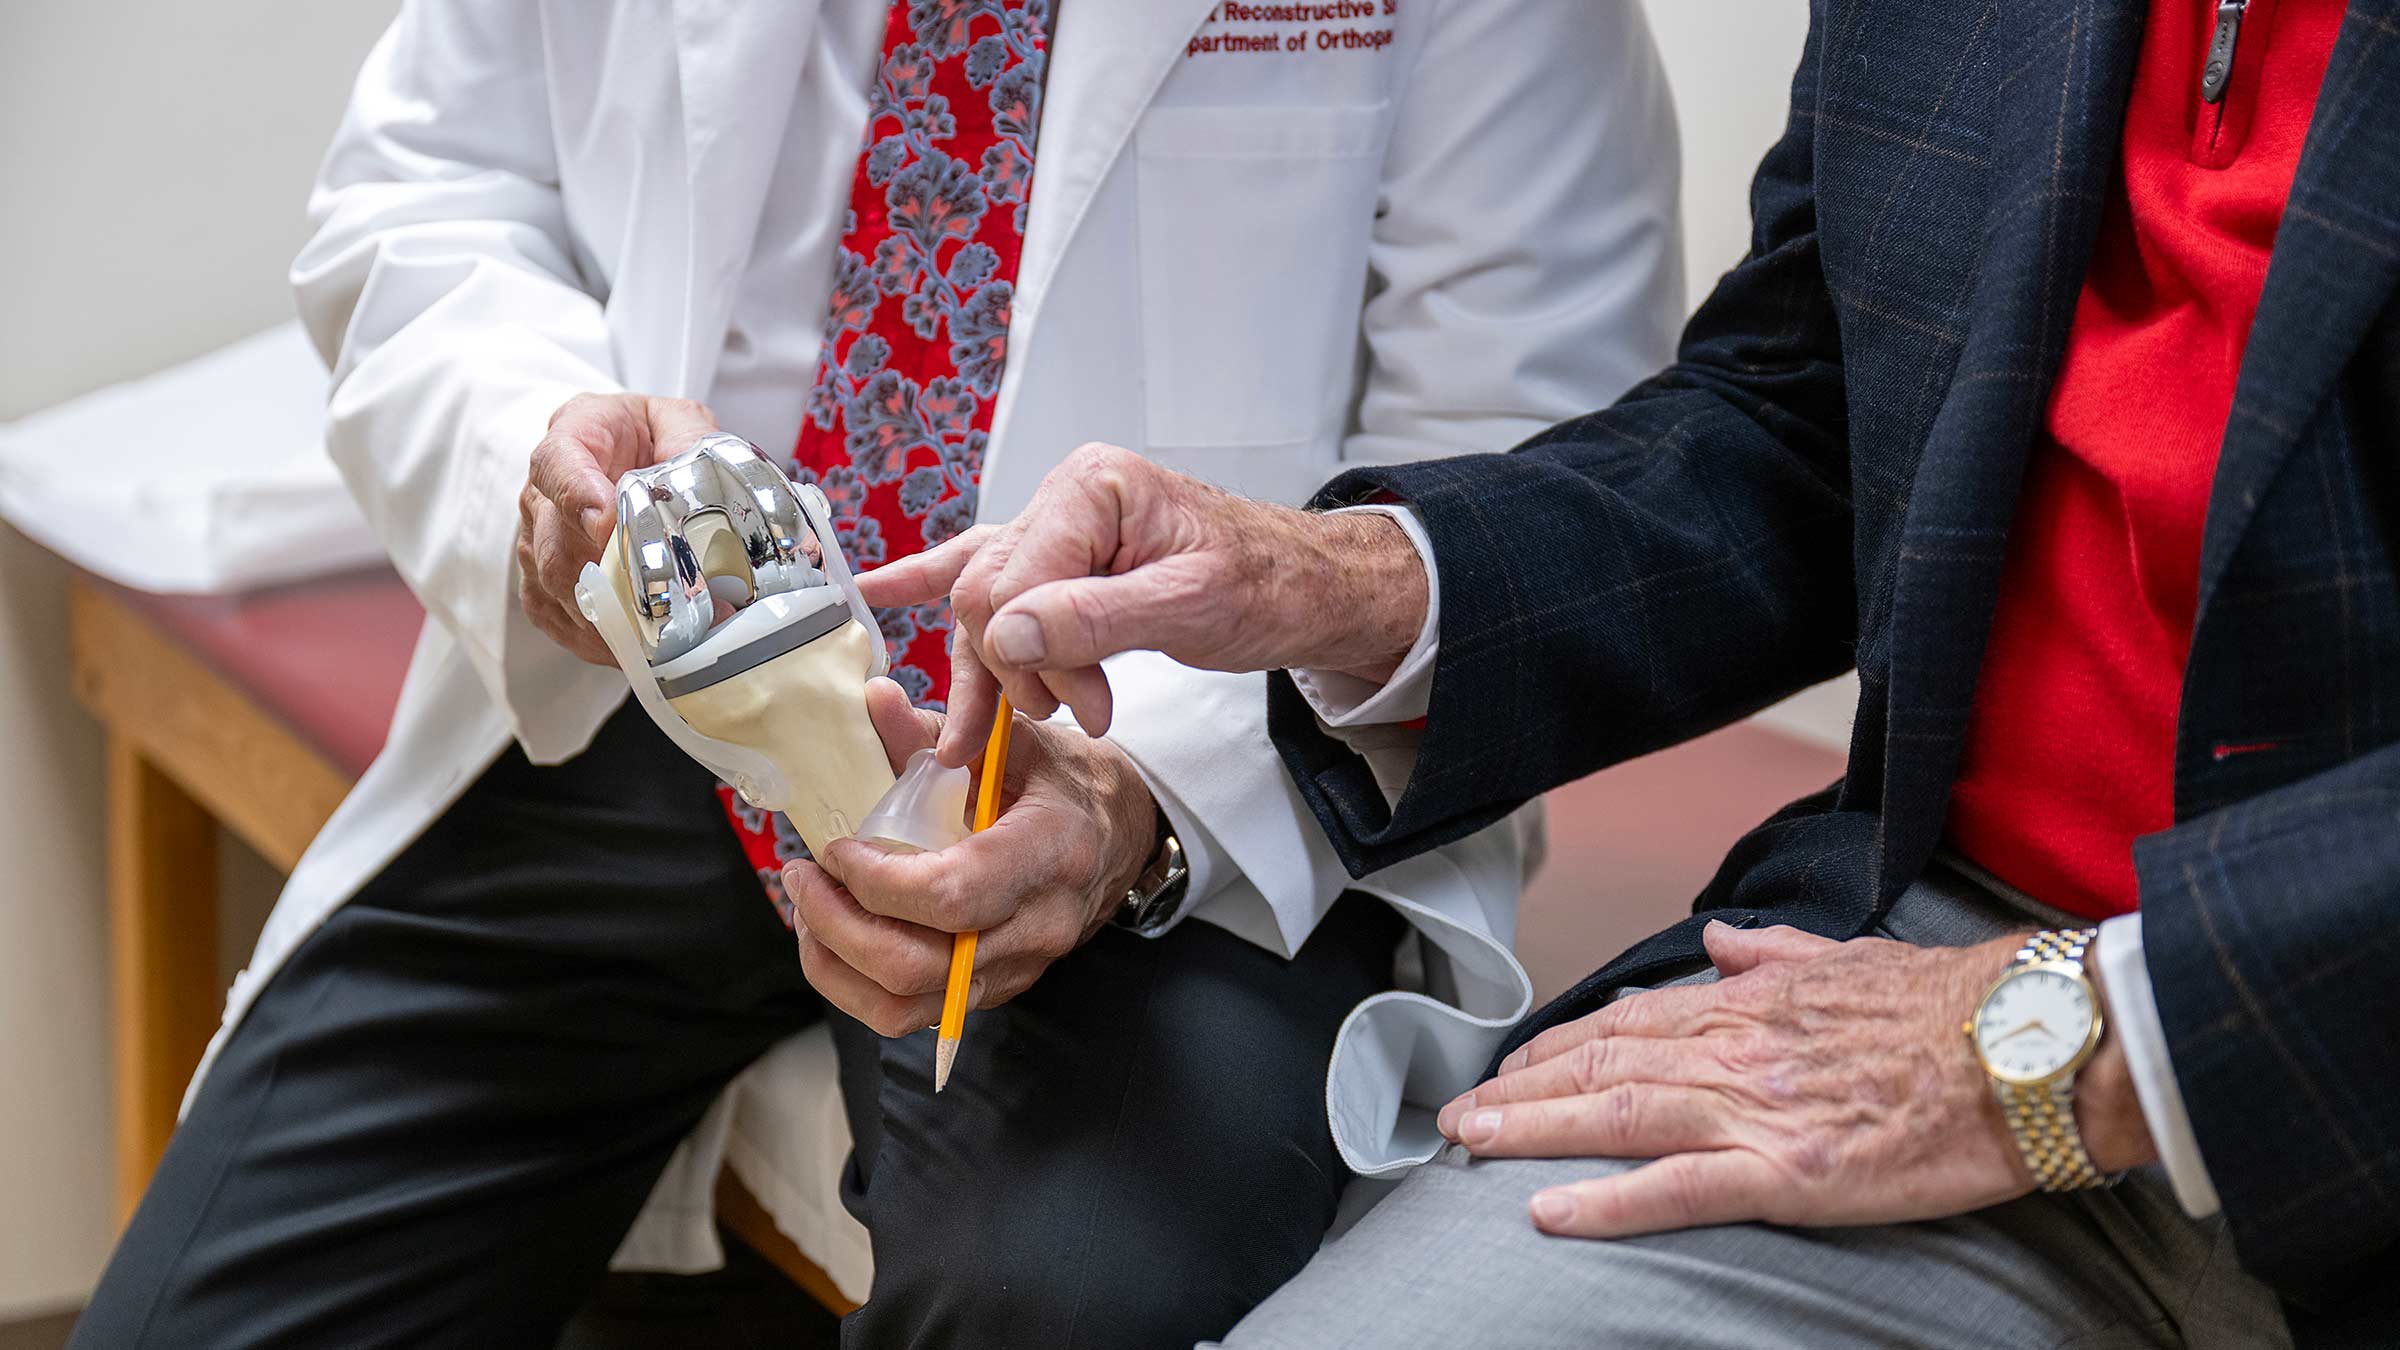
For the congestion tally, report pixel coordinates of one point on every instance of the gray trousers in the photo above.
(1450, 1259)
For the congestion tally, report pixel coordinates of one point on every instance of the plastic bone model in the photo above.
(724, 597)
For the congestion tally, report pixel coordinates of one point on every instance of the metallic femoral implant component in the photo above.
(715, 523)
(720, 571)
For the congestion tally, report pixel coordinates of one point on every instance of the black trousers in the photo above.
(444, 1111)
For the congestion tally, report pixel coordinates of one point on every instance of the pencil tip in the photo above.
(945, 1054)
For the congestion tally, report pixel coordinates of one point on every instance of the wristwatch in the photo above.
(1157, 894)
(2036, 1027)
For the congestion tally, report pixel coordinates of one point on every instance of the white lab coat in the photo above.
(1256, 267)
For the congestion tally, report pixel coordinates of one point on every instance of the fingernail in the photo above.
(1447, 1120)
(975, 994)
(1016, 638)
(1553, 1208)
(1481, 1127)
(1516, 1059)
(790, 907)
(1716, 925)
(596, 523)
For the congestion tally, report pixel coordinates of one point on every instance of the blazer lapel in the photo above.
(733, 125)
(1108, 59)
(2336, 263)
(2055, 155)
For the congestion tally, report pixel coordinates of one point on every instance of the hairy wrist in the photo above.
(1130, 812)
(1362, 594)
(2108, 1111)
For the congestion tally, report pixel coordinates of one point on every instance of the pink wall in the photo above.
(1630, 846)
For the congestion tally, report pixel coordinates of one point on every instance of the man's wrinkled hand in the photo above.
(1816, 1083)
(1115, 553)
(1076, 827)
(569, 503)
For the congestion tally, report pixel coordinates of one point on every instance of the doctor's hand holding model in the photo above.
(918, 250)
(1082, 828)
(2060, 404)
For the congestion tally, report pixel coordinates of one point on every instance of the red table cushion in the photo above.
(324, 657)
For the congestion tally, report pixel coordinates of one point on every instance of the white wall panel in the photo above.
(154, 159)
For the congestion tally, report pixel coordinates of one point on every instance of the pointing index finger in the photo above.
(920, 577)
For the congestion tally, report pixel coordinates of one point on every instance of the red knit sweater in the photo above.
(2070, 753)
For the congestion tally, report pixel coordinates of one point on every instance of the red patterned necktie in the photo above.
(916, 333)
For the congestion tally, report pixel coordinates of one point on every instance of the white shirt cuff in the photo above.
(1348, 701)
(2133, 1014)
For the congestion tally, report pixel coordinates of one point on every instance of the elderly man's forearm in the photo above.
(1367, 588)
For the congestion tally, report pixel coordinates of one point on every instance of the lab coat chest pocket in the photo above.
(1254, 225)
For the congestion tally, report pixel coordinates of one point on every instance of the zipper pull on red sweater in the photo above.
(2219, 71)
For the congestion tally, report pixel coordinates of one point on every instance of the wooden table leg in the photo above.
(162, 918)
(740, 1211)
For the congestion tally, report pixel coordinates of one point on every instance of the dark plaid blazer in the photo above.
(1826, 478)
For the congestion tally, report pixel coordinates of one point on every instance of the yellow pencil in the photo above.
(962, 947)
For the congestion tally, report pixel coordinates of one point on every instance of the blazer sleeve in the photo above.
(1631, 578)
(440, 284)
(2270, 928)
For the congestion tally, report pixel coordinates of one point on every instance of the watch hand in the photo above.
(2035, 1024)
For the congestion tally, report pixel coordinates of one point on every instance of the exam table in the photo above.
(257, 712)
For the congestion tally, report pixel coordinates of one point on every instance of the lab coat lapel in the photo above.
(737, 68)
(1108, 59)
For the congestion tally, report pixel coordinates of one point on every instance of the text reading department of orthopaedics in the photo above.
(1307, 39)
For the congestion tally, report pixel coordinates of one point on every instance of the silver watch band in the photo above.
(2042, 1120)
(2054, 944)
(2041, 1117)
(1156, 897)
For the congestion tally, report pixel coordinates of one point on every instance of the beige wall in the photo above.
(53, 990)
(1730, 63)
(154, 156)
(157, 155)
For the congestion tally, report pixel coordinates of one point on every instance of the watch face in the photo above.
(2034, 1024)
